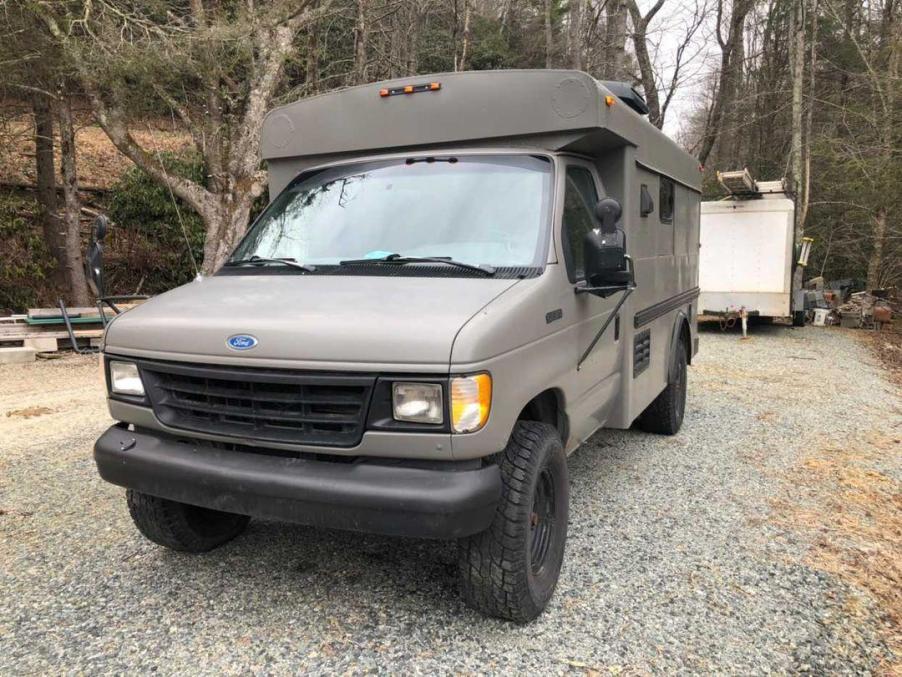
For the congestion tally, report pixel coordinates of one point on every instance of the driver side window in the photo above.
(580, 196)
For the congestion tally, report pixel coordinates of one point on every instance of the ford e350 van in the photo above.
(460, 278)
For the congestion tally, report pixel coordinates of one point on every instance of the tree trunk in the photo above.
(465, 46)
(730, 147)
(730, 73)
(360, 40)
(311, 77)
(74, 264)
(45, 167)
(875, 262)
(575, 34)
(797, 69)
(549, 37)
(412, 42)
(614, 64)
(647, 73)
(225, 225)
(809, 115)
(646, 69)
(890, 46)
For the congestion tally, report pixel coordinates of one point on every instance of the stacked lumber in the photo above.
(41, 329)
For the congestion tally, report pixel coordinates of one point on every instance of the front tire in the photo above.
(511, 569)
(665, 414)
(182, 527)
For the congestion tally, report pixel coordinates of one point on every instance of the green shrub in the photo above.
(26, 266)
(146, 249)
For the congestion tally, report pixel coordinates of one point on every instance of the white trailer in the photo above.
(747, 258)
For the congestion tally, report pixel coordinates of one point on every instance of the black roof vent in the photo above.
(625, 92)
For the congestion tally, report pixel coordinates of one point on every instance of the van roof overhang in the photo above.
(552, 110)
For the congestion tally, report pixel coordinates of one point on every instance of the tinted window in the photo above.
(580, 197)
(666, 200)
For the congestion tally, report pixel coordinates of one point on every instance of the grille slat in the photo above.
(264, 396)
(240, 412)
(278, 405)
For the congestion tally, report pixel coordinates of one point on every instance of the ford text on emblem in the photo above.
(241, 342)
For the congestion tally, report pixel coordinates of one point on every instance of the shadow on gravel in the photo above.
(289, 564)
(295, 564)
(762, 328)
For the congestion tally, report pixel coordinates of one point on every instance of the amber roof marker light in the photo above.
(609, 100)
(410, 89)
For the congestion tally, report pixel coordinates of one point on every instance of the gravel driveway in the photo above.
(719, 549)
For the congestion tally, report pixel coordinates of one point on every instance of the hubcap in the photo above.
(541, 521)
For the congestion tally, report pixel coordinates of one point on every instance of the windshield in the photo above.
(480, 210)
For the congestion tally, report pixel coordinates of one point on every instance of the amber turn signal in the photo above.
(471, 401)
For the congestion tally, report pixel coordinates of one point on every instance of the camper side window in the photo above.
(666, 200)
(580, 197)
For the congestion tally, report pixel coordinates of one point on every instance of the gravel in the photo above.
(679, 558)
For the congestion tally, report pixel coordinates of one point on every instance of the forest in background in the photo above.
(802, 89)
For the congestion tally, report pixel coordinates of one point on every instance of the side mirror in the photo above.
(608, 211)
(604, 250)
(101, 224)
(605, 259)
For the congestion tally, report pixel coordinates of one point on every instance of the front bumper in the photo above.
(443, 501)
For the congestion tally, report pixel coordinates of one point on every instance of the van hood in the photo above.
(410, 322)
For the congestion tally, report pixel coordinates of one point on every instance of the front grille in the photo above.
(273, 405)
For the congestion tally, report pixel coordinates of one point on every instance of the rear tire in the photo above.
(664, 415)
(182, 527)
(511, 569)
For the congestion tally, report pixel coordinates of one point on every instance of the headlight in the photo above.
(471, 401)
(125, 379)
(417, 402)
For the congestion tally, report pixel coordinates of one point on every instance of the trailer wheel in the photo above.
(511, 569)
(182, 527)
(665, 414)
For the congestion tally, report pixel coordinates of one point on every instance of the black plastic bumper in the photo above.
(363, 496)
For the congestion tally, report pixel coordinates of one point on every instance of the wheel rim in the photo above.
(541, 521)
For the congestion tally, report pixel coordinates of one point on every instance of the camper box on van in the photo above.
(460, 278)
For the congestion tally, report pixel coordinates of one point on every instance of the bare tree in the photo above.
(45, 174)
(460, 63)
(361, 36)
(217, 69)
(875, 161)
(574, 34)
(614, 61)
(71, 218)
(732, 52)
(646, 69)
(549, 34)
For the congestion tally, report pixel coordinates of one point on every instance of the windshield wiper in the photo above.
(397, 259)
(259, 260)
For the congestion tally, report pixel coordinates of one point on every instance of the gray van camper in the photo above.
(460, 278)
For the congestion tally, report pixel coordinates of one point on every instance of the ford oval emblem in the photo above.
(241, 342)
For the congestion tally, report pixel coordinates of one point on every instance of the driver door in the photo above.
(597, 378)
